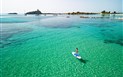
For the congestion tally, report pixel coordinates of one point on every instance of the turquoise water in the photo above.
(42, 46)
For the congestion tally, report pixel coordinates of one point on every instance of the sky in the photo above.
(60, 6)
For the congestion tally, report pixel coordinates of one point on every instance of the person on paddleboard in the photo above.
(76, 52)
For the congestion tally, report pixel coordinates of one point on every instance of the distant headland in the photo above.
(102, 12)
(109, 12)
(77, 13)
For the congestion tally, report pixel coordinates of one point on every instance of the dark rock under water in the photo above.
(106, 30)
(118, 41)
(5, 43)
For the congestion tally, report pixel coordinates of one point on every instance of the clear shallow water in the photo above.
(42, 47)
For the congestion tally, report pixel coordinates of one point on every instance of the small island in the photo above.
(13, 13)
(37, 12)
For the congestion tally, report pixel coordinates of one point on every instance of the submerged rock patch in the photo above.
(103, 30)
(118, 41)
(106, 30)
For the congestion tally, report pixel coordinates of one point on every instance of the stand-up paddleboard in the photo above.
(77, 56)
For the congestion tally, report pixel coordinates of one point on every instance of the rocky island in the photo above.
(13, 13)
(37, 12)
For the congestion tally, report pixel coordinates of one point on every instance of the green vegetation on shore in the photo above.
(77, 13)
(105, 12)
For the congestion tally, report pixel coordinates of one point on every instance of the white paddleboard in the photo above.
(78, 57)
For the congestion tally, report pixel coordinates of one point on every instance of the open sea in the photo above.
(42, 46)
